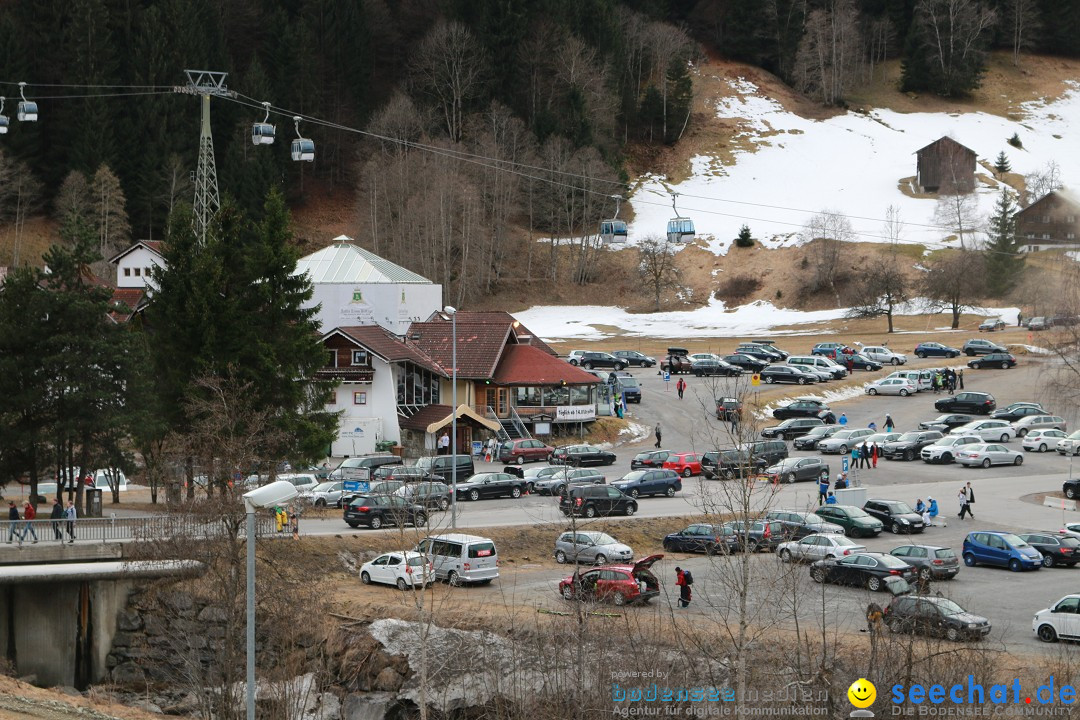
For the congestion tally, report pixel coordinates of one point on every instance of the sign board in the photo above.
(667, 376)
(542, 428)
(755, 379)
(844, 464)
(477, 448)
(351, 486)
(575, 413)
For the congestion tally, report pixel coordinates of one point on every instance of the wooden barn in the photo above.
(946, 166)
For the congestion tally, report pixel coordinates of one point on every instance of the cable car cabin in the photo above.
(303, 150)
(262, 134)
(680, 230)
(27, 111)
(4, 122)
(613, 231)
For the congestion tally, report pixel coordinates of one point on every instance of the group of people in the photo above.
(928, 510)
(966, 498)
(59, 515)
(948, 380)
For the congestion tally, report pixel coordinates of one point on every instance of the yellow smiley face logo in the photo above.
(862, 693)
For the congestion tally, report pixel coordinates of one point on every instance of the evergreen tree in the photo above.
(1001, 164)
(744, 238)
(1003, 259)
(680, 99)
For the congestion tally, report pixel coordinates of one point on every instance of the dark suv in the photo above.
(746, 362)
(627, 384)
(799, 524)
(730, 464)
(976, 403)
(676, 361)
(976, 346)
(792, 428)
(933, 562)
(801, 408)
(590, 360)
(633, 357)
(726, 408)
(592, 500)
(909, 445)
(897, 516)
(378, 510)
(429, 494)
(1003, 360)
(760, 535)
(761, 352)
(649, 459)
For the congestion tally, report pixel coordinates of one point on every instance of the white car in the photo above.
(706, 356)
(1029, 423)
(1070, 444)
(1062, 620)
(843, 440)
(988, 430)
(944, 450)
(816, 374)
(404, 569)
(574, 357)
(818, 547)
(891, 386)
(1041, 440)
(323, 494)
(883, 355)
(987, 454)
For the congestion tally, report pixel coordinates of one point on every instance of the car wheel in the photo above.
(1004, 438)
(1004, 366)
(768, 379)
(515, 492)
(444, 504)
(600, 559)
(560, 491)
(873, 583)
(631, 508)
(952, 634)
(909, 455)
(618, 599)
(320, 503)
(818, 575)
(560, 557)
(352, 523)
(986, 463)
(871, 391)
(1022, 432)
(474, 494)
(969, 560)
(634, 493)
(670, 492)
(568, 592)
(790, 478)
(1019, 460)
(727, 474)
(971, 353)
(687, 472)
(520, 460)
(1047, 633)
(951, 355)
(453, 578)
(1070, 493)
(1048, 561)
(785, 555)
(946, 458)
(376, 522)
(895, 528)
(896, 626)
(802, 381)
(590, 511)
(1014, 565)
(920, 355)
(619, 366)
(402, 585)
(668, 547)
(420, 520)
(903, 392)
(924, 574)
(365, 578)
(587, 366)
(843, 449)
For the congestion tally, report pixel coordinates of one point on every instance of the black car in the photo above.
(978, 346)
(785, 374)
(801, 408)
(792, 428)
(593, 500)
(862, 569)
(557, 482)
(1070, 487)
(378, 510)
(770, 345)
(798, 469)
(946, 422)
(932, 562)
(590, 360)
(730, 464)
(810, 440)
(937, 616)
(706, 366)
(649, 482)
(768, 451)
(702, 537)
(909, 445)
(761, 352)
(726, 408)
(746, 362)
(798, 524)
(1018, 410)
(649, 460)
(976, 403)
(1001, 360)
(895, 515)
(759, 535)
(579, 455)
(1057, 548)
(491, 485)
(633, 358)
(860, 362)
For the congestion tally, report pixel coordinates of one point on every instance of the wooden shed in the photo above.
(946, 166)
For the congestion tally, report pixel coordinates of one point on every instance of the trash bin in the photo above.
(93, 503)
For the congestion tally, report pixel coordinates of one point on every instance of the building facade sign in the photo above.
(575, 413)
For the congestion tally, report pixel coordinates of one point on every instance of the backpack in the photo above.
(687, 577)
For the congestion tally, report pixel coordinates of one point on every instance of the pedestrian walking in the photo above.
(874, 454)
(971, 498)
(29, 514)
(70, 516)
(1019, 319)
(855, 457)
(57, 515)
(657, 433)
(680, 387)
(962, 498)
(822, 489)
(889, 424)
(843, 419)
(683, 580)
(960, 377)
(734, 423)
(620, 406)
(13, 522)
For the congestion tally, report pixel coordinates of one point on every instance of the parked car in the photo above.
(627, 384)
(803, 407)
(633, 358)
(862, 569)
(746, 362)
(975, 403)
(784, 374)
(378, 510)
(1070, 444)
(731, 464)
(771, 345)
(1041, 440)
(945, 423)
(323, 494)
(880, 438)
(799, 523)
(702, 537)
(574, 356)
(798, 469)
(977, 346)
(649, 459)
(1003, 549)
(944, 450)
(727, 407)
(895, 515)
(1061, 620)
(1017, 410)
(818, 547)
(831, 349)
(985, 455)
(403, 569)
(936, 616)
(580, 455)
(1028, 423)
(618, 584)
(989, 430)
(1071, 488)
(432, 495)
(649, 482)
(447, 466)
(558, 482)
(991, 325)
(1038, 323)
(883, 355)
(491, 485)
(593, 500)
(891, 386)
(935, 349)
(843, 440)
(676, 361)
(591, 359)
(817, 362)
(994, 360)
(810, 440)
(933, 562)
(591, 547)
(791, 428)
(523, 450)
(761, 352)
(703, 356)
(909, 445)
(1056, 548)
(686, 464)
(403, 473)
(361, 467)
(855, 521)
(703, 368)
(764, 535)
(815, 374)
(921, 379)
(768, 451)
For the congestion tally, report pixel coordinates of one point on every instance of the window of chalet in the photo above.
(127, 272)
(417, 386)
(527, 397)
(556, 396)
(360, 358)
(579, 395)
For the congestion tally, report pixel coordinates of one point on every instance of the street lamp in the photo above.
(452, 312)
(270, 495)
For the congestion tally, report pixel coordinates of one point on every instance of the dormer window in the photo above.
(359, 358)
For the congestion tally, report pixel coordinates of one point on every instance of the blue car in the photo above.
(933, 349)
(1002, 549)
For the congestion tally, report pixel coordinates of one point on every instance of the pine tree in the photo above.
(1001, 164)
(1003, 259)
(680, 99)
(744, 238)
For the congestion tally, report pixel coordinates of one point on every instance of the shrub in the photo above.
(738, 287)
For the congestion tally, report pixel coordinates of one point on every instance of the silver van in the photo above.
(921, 379)
(818, 362)
(461, 558)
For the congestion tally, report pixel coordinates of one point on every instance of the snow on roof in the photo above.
(344, 262)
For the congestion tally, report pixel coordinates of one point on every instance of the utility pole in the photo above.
(205, 83)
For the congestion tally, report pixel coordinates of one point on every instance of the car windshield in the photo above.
(1014, 540)
(899, 507)
(322, 487)
(908, 437)
(819, 430)
(633, 476)
(603, 539)
(629, 382)
(857, 513)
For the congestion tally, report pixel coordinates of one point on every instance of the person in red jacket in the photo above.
(684, 588)
(28, 525)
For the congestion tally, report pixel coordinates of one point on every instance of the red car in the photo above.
(523, 451)
(686, 464)
(620, 584)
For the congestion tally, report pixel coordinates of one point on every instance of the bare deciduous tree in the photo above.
(1041, 183)
(830, 51)
(450, 67)
(656, 266)
(953, 281)
(73, 201)
(1024, 17)
(886, 285)
(957, 212)
(110, 211)
(20, 196)
(176, 182)
(826, 234)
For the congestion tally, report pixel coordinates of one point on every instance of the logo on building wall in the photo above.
(357, 312)
(358, 296)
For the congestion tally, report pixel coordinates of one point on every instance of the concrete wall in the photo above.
(107, 600)
(46, 624)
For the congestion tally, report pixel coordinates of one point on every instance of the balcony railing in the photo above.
(126, 529)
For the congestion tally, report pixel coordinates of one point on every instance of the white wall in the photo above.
(361, 426)
(138, 259)
(381, 304)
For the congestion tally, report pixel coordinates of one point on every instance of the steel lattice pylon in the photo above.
(207, 199)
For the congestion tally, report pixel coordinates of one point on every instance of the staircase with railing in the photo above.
(510, 428)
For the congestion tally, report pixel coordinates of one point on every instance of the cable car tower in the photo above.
(207, 200)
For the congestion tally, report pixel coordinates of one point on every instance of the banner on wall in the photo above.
(575, 413)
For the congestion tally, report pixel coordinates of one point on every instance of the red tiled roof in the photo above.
(479, 345)
(496, 317)
(424, 417)
(390, 347)
(153, 246)
(528, 365)
(124, 302)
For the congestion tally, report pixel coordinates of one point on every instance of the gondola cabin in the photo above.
(262, 134)
(4, 122)
(28, 111)
(303, 150)
(613, 231)
(680, 230)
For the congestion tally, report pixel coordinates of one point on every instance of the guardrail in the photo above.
(125, 529)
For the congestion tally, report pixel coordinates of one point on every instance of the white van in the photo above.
(921, 379)
(461, 558)
(818, 362)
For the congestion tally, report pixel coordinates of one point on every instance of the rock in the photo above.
(128, 673)
(122, 639)
(367, 706)
(179, 601)
(68, 690)
(147, 706)
(326, 706)
(154, 625)
(128, 620)
(186, 704)
(389, 679)
(211, 614)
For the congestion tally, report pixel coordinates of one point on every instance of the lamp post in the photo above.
(452, 312)
(275, 493)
